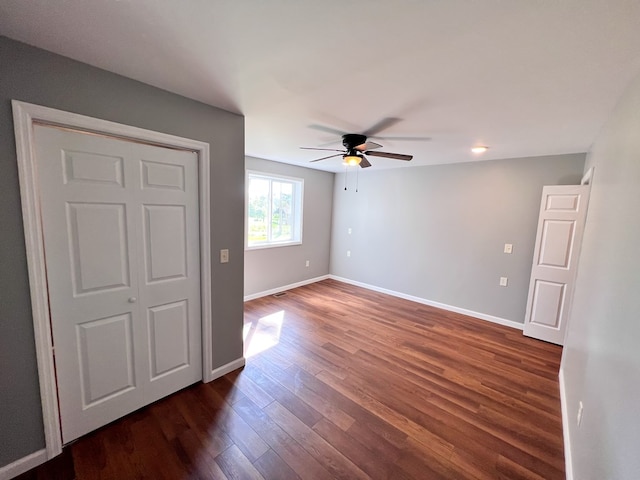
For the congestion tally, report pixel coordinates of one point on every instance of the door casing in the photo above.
(25, 115)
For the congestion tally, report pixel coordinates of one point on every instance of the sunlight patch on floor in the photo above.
(262, 334)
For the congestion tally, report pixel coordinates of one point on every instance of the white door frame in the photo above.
(25, 115)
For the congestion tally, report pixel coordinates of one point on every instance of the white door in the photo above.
(120, 226)
(563, 211)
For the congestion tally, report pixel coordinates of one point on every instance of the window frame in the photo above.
(297, 203)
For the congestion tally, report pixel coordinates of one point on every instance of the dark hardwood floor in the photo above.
(343, 382)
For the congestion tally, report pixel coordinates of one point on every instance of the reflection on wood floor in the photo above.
(343, 382)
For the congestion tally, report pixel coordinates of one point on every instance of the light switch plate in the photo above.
(508, 248)
(503, 281)
(224, 255)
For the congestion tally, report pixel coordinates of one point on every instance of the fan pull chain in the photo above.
(357, 170)
(345, 178)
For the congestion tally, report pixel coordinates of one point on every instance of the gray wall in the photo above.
(601, 360)
(269, 268)
(438, 232)
(36, 76)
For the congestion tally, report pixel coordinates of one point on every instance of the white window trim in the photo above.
(267, 175)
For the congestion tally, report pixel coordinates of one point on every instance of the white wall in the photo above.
(270, 268)
(438, 232)
(601, 359)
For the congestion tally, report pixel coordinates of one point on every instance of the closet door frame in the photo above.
(25, 116)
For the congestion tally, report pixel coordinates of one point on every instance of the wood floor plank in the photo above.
(337, 464)
(301, 409)
(250, 389)
(292, 379)
(241, 433)
(169, 418)
(419, 464)
(510, 470)
(353, 384)
(376, 467)
(376, 435)
(236, 466)
(199, 461)
(270, 465)
(89, 457)
(289, 450)
(439, 429)
(203, 417)
(227, 389)
(495, 422)
(389, 415)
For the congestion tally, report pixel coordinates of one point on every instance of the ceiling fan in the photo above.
(356, 145)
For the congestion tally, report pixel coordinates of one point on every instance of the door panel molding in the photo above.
(563, 210)
(25, 116)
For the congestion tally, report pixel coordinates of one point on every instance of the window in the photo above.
(274, 210)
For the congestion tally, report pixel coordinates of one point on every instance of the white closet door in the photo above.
(169, 269)
(120, 224)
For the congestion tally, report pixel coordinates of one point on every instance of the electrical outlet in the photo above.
(306, 263)
(349, 230)
(503, 281)
(580, 410)
(224, 255)
(508, 248)
(348, 253)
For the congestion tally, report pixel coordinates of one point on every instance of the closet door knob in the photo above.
(133, 299)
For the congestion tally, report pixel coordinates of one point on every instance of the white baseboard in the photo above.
(568, 464)
(451, 308)
(229, 367)
(253, 296)
(23, 465)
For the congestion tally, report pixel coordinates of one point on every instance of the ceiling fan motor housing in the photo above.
(352, 140)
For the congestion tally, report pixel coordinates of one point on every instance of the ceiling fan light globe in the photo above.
(352, 160)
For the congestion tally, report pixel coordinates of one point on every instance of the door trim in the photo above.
(25, 115)
(588, 177)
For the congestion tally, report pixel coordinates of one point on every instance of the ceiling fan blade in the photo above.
(396, 156)
(364, 163)
(322, 128)
(381, 125)
(368, 146)
(406, 139)
(327, 149)
(324, 158)
(335, 141)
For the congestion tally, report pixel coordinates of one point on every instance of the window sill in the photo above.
(272, 245)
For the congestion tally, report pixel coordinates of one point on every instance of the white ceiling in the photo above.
(526, 77)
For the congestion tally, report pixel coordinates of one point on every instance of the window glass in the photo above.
(274, 210)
